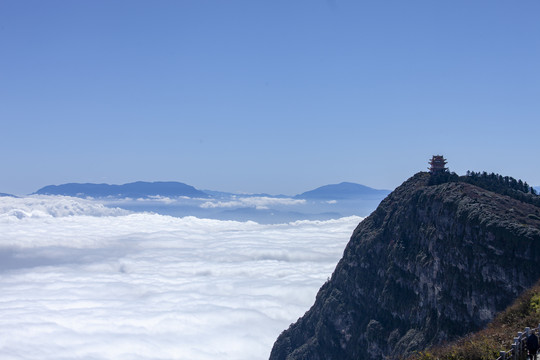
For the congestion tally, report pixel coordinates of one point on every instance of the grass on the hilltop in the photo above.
(497, 336)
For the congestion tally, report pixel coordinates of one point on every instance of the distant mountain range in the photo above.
(141, 189)
(8, 195)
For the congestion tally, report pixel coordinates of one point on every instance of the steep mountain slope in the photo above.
(431, 263)
(135, 189)
(344, 190)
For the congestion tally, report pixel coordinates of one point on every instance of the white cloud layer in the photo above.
(53, 206)
(145, 286)
(258, 202)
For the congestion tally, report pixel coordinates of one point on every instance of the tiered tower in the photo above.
(437, 164)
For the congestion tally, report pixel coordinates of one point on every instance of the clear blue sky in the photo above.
(278, 96)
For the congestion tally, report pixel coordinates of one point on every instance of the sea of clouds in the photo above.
(258, 202)
(79, 280)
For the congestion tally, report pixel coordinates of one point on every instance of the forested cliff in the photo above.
(434, 261)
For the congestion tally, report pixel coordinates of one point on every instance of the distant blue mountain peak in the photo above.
(344, 190)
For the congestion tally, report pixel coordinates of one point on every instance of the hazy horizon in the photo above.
(194, 185)
(221, 190)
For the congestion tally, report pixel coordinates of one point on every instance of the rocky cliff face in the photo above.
(430, 264)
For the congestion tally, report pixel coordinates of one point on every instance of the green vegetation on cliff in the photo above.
(503, 185)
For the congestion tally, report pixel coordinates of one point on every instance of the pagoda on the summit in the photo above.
(437, 164)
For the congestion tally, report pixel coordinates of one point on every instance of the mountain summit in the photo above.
(436, 260)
